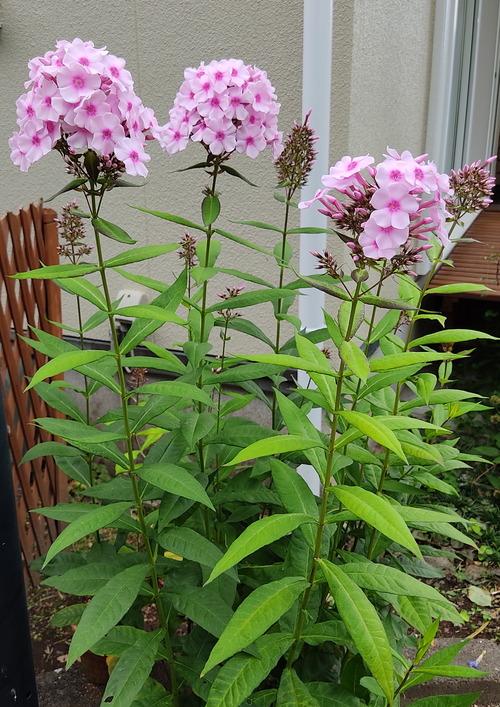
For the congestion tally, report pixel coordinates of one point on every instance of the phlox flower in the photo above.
(381, 241)
(131, 152)
(226, 106)
(393, 205)
(80, 97)
(346, 171)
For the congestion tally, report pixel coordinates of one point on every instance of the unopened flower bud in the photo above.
(360, 275)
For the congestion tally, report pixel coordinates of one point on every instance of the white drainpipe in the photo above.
(316, 96)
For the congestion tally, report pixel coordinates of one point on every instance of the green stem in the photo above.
(94, 209)
(279, 304)
(326, 484)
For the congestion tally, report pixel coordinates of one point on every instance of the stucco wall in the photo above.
(382, 52)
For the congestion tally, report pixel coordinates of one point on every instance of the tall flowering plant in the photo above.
(262, 593)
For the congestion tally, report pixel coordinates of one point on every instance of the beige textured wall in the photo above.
(382, 52)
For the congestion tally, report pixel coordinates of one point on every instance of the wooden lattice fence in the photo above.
(28, 238)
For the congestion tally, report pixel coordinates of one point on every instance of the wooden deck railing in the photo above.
(28, 238)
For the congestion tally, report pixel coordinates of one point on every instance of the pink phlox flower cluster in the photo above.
(401, 198)
(228, 107)
(86, 96)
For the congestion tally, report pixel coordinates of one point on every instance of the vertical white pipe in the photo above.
(316, 96)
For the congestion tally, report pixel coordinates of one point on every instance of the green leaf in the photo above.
(385, 303)
(68, 615)
(210, 209)
(260, 224)
(248, 299)
(242, 241)
(293, 693)
(152, 694)
(174, 219)
(324, 286)
(355, 359)
(375, 429)
(457, 288)
(415, 610)
(230, 170)
(246, 327)
(378, 512)
(107, 607)
(149, 311)
(364, 625)
(203, 605)
(110, 230)
(75, 467)
(278, 444)
(59, 400)
(169, 300)
(176, 389)
(243, 673)
(334, 631)
(450, 671)
(95, 519)
(51, 272)
(197, 425)
(132, 669)
(381, 578)
(65, 362)
(77, 431)
(259, 534)
(87, 579)
(449, 336)
(408, 358)
(175, 479)
(258, 612)
(447, 700)
(138, 255)
(81, 287)
(74, 184)
(295, 495)
(189, 544)
(46, 449)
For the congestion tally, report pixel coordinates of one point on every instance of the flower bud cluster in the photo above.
(380, 209)
(226, 106)
(72, 231)
(297, 159)
(472, 186)
(230, 292)
(187, 250)
(82, 98)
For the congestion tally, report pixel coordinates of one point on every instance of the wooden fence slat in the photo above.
(28, 238)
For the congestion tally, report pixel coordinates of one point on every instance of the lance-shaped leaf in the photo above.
(149, 311)
(234, 173)
(133, 668)
(259, 534)
(74, 184)
(448, 336)
(258, 612)
(45, 449)
(171, 217)
(81, 287)
(176, 389)
(325, 287)
(78, 431)
(65, 362)
(355, 359)
(408, 358)
(447, 700)
(457, 288)
(279, 444)
(375, 429)
(138, 255)
(203, 605)
(381, 578)
(242, 241)
(51, 272)
(292, 692)
(107, 607)
(111, 230)
(248, 299)
(295, 495)
(364, 625)
(378, 512)
(239, 677)
(91, 521)
(175, 479)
